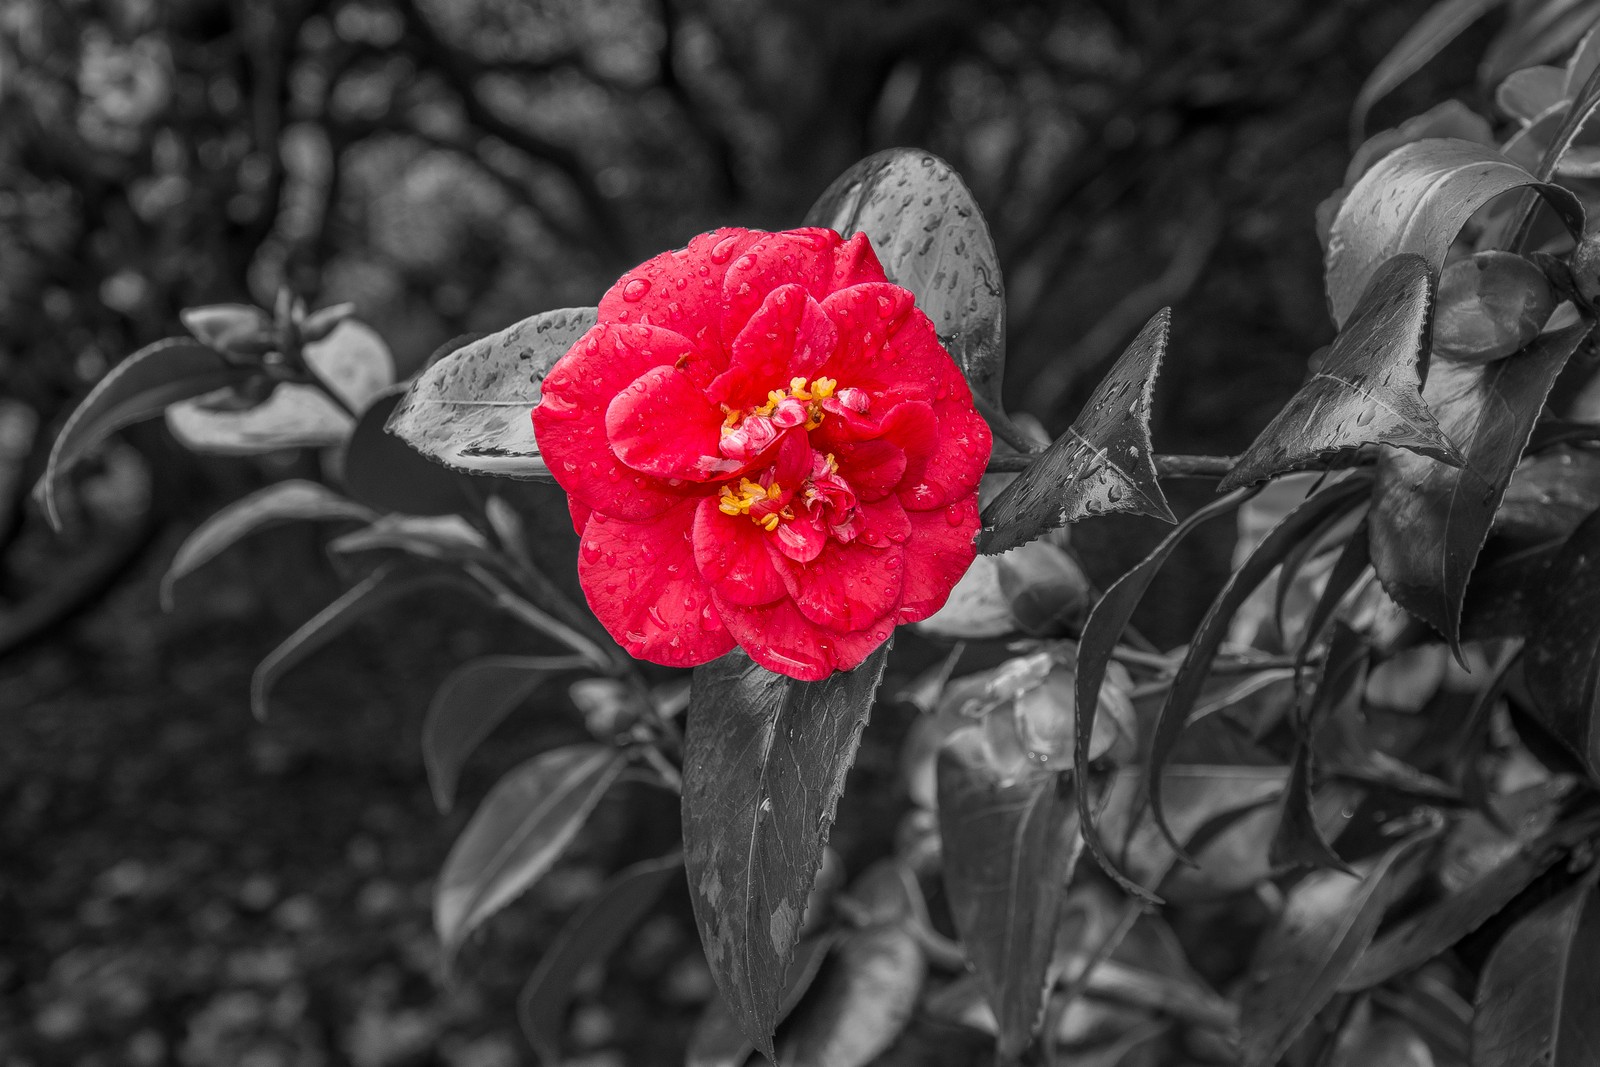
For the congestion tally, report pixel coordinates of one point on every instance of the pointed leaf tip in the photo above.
(1368, 389)
(1102, 465)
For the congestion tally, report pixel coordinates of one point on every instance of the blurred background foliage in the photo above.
(454, 165)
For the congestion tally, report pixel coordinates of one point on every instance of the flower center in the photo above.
(765, 504)
(829, 502)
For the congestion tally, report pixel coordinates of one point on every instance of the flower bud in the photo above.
(1489, 306)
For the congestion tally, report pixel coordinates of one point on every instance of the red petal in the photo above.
(788, 336)
(957, 461)
(941, 548)
(802, 539)
(662, 424)
(848, 585)
(682, 291)
(886, 345)
(580, 512)
(642, 582)
(871, 468)
(733, 556)
(855, 263)
(781, 639)
(804, 257)
(569, 422)
(882, 522)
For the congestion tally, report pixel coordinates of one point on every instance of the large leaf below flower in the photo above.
(138, 388)
(1562, 664)
(1101, 465)
(1367, 390)
(517, 834)
(1010, 841)
(1416, 199)
(472, 409)
(1537, 994)
(1429, 520)
(932, 239)
(765, 759)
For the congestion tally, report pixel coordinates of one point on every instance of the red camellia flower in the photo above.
(764, 444)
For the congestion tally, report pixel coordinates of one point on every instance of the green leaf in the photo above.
(1367, 390)
(381, 588)
(590, 937)
(354, 363)
(1539, 31)
(1101, 633)
(385, 473)
(1420, 937)
(1426, 38)
(473, 410)
(140, 387)
(1101, 465)
(1537, 993)
(1490, 305)
(1192, 672)
(517, 834)
(931, 239)
(1549, 494)
(1327, 922)
(1010, 842)
(1416, 199)
(1428, 520)
(865, 999)
(291, 501)
(718, 1041)
(469, 704)
(444, 538)
(765, 759)
(1562, 657)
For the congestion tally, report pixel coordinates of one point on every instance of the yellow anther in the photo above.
(829, 464)
(823, 388)
(770, 523)
(773, 491)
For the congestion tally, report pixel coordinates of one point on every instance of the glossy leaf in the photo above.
(385, 473)
(291, 501)
(1429, 520)
(1415, 200)
(1010, 842)
(1537, 993)
(589, 937)
(1101, 633)
(1426, 38)
(469, 704)
(1327, 922)
(1192, 672)
(865, 999)
(765, 759)
(1562, 657)
(1489, 306)
(381, 588)
(140, 387)
(1419, 938)
(353, 361)
(1100, 466)
(1541, 31)
(517, 834)
(473, 410)
(446, 538)
(1549, 494)
(932, 239)
(1367, 390)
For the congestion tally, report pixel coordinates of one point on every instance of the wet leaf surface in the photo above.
(1100, 466)
(472, 410)
(1429, 520)
(1010, 842)
(866, 996)
(1366, 391)
(932, 239)
(1416, 199)
(765, 759)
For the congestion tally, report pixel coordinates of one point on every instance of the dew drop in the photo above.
(723, 249)
(635, 290)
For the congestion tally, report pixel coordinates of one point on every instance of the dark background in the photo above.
(181, 885)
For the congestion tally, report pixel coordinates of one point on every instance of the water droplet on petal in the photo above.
(724, 249)
(635, 290)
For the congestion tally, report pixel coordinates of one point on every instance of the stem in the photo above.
(331, 393)
(1166, 466)
(507, 598)
(669, 774)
